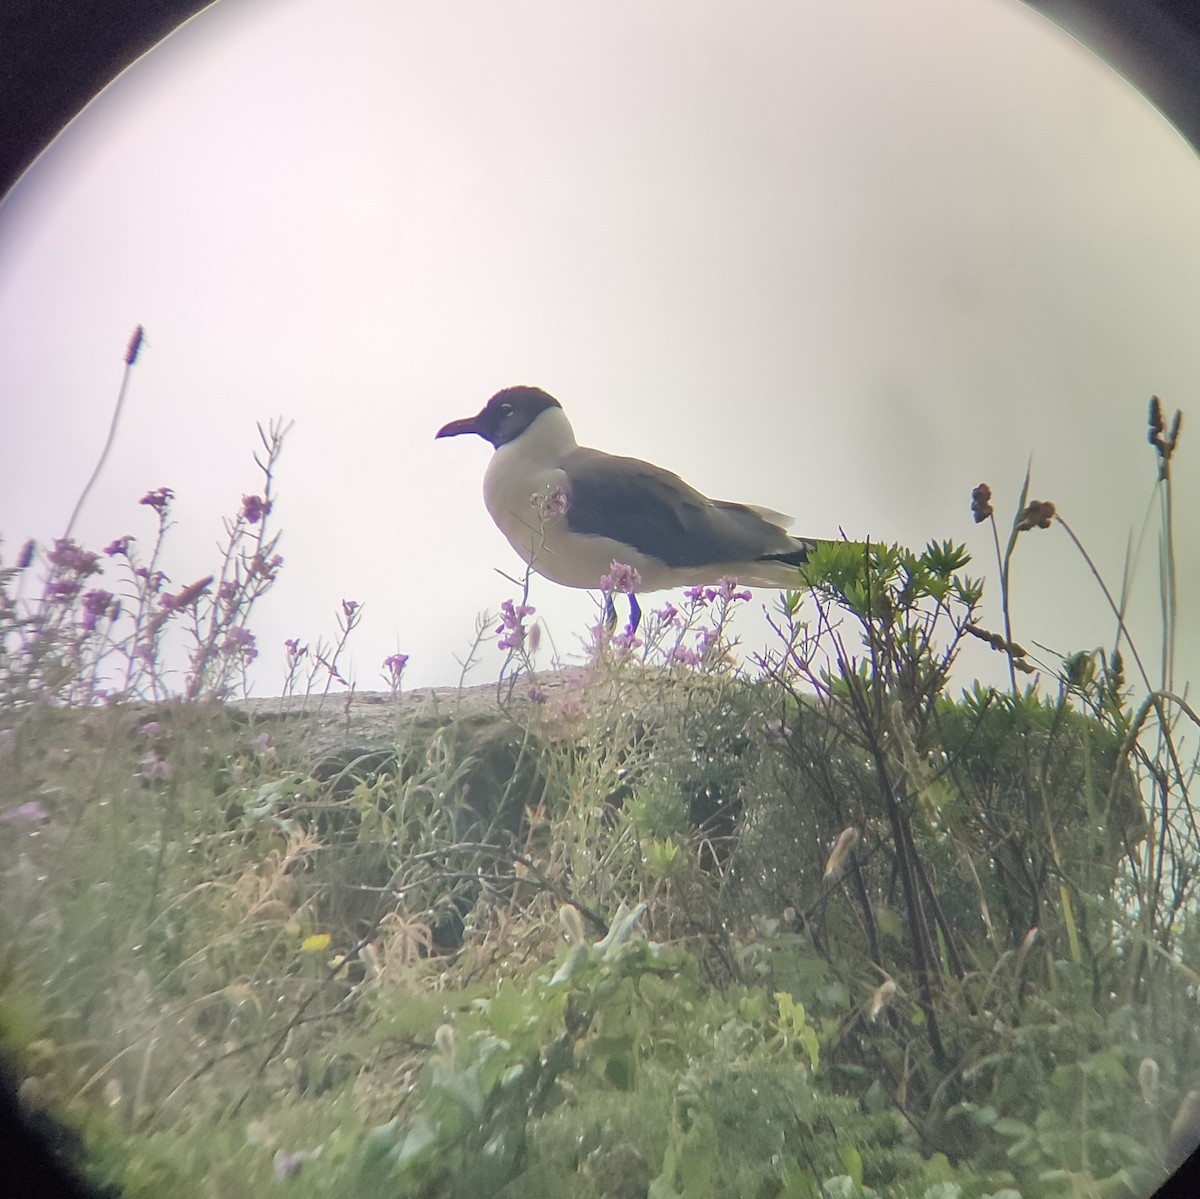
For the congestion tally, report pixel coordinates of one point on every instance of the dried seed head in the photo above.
(369, 956)
(1116, 671)
(1026, 944)
(444, 1039)
(881, 998)
(1164, 446)
(188, 596)
(1148, 1080)
(1037, 515)
(1156, 420)
(847, 840)
(981, 503)
(572, 923)
(996, 641)
(135, 345)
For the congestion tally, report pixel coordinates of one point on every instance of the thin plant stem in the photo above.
(131, 355)
(1108, 596)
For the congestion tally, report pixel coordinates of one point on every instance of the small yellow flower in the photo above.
(316, 943)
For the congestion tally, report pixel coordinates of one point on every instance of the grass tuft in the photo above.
(669, 922)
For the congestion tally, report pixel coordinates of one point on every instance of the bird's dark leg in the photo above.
(610, 612)
(635, 613)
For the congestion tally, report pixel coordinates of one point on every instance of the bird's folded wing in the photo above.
(657, 513)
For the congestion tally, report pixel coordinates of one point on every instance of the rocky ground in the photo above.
(372, 718)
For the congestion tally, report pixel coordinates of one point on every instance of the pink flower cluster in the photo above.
(512, 625)
(723, 590)
(621, 579)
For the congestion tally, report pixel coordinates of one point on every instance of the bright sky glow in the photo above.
(845, 261)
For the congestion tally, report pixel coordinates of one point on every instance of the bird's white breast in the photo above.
(521, 470)
(529, 469)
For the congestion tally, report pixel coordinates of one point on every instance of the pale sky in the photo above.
(845, 261)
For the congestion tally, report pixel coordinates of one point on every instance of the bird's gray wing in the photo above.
(656, 512)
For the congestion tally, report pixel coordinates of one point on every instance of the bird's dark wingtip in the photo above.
(796, 557)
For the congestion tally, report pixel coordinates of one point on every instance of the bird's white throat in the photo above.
(526, 467)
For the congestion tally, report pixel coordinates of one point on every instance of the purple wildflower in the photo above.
(158, 500)
(267, 569)
(227, 590)
(394, 665)
(694, 595)
(683, 656)
(626, 641)
(25, 557)
(553, 505)
(512, 624)
(620, 578)
(153, 767)
(288, 1162)
(254, 508)
(240, 641)
(349, 607)
(119, 548)
(666, 614)
(726, 585)
(68, 556)
(536, 694)
(725, 590)
(63, 589)
(295, 650)
(153, 581)
(96, 604)
(25, 813)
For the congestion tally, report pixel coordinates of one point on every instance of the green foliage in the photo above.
(1045, 797)
(616, 1073)
(829, 929)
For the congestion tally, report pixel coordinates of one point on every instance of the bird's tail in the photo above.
(801, 553)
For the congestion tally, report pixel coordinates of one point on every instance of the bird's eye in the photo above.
(506, 409)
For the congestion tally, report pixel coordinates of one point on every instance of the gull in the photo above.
(573, 514)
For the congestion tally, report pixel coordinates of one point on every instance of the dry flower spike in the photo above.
(1164, 445)
(846, 841)
(1037, 515)
(981, 503)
